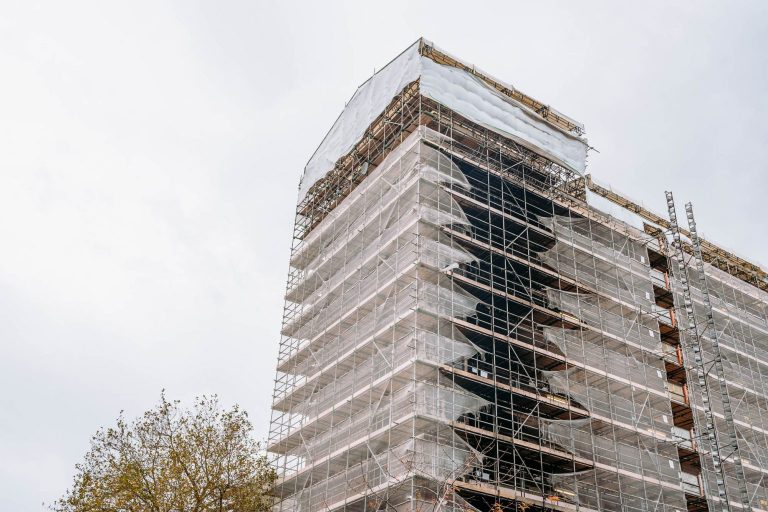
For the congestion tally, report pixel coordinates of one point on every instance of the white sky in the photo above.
(150, 156)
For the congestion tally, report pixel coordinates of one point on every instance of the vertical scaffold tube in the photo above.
(711, 333)
(701, 376)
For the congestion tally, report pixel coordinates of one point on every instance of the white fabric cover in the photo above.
(458, 90)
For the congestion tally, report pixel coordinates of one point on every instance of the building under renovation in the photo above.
(473, 324)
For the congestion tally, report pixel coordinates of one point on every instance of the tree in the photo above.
(173, 460)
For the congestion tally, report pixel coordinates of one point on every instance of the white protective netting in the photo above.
(405, 475)
(426, 401)
(457, 89)
(615, 399)
(628, 324)
(616, 372)
(605, 354)
(365, 415)
(613, 491)
(602, 242)
(650, 458)
(367, 362)
(741, 328)
(606, 273)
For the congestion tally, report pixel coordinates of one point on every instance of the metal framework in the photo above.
(462, 331)
(717, 362)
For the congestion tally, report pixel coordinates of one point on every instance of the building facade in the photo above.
(473, 324)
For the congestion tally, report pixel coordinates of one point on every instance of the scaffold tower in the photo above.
(472, 323)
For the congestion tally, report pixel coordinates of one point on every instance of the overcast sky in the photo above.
(150, 155)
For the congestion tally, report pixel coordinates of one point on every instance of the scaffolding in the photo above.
(464, 332)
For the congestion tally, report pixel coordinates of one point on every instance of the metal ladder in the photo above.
(699, 364)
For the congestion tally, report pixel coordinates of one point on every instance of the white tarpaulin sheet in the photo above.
(614, 210)
(458, 90)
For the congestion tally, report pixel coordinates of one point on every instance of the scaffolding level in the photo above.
(466, 330)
